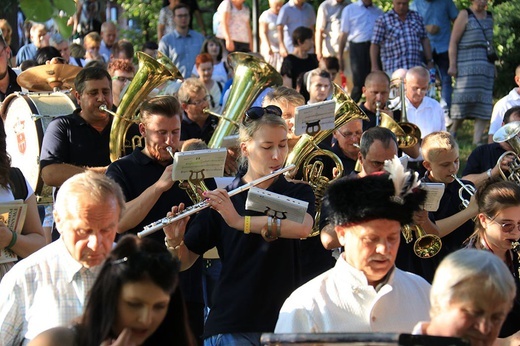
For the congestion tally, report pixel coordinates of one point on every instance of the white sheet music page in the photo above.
(311, 119)
(434, 195)
(199, 164)
(276, 205)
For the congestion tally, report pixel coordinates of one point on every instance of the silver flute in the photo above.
(158, 225)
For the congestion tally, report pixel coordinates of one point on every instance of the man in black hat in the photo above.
(364, 292)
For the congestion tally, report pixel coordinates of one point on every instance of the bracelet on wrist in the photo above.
(13, 240)
(172, 248)
(488, 172)
(247, 224)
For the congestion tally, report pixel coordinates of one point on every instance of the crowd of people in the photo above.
(77, 273)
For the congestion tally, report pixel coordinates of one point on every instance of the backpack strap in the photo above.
(18, 184)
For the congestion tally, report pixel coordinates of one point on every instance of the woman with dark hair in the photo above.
(497, 229)
(300, 61)
(259, 253)
(13, 185)
(221, 71)
(134, 301)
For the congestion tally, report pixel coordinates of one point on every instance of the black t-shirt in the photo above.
(191, 129)
(257, 276)
(12, 86)
(483, 158)
(292, 66)
(348, 163)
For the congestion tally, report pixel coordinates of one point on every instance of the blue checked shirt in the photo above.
(400, 42)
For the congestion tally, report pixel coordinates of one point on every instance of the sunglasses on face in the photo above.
(507, 227)
(255, 113)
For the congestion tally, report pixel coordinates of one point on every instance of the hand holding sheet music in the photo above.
(199, 164)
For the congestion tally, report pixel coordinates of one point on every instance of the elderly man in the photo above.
(49, 288)
(57, 41)
(8, 84)
(347, 144)
(364, 292)
(108, 39)
(28, 51)
(182, 45)
(399, 39)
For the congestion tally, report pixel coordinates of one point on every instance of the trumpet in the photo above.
(378, 112)
(157, 225)
(470, 189)
(426, 245)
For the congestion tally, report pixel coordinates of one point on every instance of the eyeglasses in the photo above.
(507, 227)
(351, 134)
(255, 113)
(206, 98)
(122, 79)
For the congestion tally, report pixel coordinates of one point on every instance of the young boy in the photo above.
(441, 160)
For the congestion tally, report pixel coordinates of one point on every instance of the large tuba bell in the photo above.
(151, 74)
(252, 75)
(509, 133)
(408, 134)
(306, 149)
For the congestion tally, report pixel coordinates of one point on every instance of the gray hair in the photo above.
(56, 39)
(89, 185)
(466, 273)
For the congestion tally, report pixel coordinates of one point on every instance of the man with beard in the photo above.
(146, 179)
(8, 84)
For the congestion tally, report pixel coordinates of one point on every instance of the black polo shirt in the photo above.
(348, 163)
(191, 129)
(12, 86)
(483, 158)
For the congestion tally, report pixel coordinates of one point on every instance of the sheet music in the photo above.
(13, 215)
(199, 164)
(276, 205)
(434, 195)
(316, 117)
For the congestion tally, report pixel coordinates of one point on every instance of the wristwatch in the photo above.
(488, 172)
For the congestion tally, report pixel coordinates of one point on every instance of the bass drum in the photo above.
(26, 116)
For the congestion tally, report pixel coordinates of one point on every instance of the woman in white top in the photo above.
(221, 71)
(235, 26)
(14, 245)
(269, 34)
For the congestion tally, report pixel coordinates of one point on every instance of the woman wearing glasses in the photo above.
(259, 259)
(497, 229)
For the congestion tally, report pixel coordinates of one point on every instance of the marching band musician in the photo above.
(364, 292)
(497, 229)
(259, 259)
(146, 179)
(8, 84)
(346, 144)
(78, 142)
(482, 163)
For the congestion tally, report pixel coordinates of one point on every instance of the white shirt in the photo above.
(43, 291)
(341, 301)
(429, 117)
(358, 21)
(509, 101)
(328, 19)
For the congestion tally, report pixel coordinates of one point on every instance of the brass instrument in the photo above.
(470, 189)
(157, 225)
(378, 112)
(306, 149)
(426, 245)
(151, 73)
(509, 133)
(252, 75)
(408, 134)
(193, 187)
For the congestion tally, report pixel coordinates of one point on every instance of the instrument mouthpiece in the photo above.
(170, 151)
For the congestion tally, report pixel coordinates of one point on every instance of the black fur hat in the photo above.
(393, 196)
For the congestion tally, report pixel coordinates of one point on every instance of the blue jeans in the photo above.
(238, 339)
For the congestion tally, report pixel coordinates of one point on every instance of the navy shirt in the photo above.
(12, 86)
(190, 129)
(483, 158)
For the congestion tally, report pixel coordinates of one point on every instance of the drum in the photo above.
(26, 116)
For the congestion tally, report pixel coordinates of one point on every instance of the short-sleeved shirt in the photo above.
(239, 21)
(27, 52)
(348, 163)
(440, 13)
(257, 276)
(293, 67)
(358, 21)
(270, 19)
(190, 129)
(483, 158)
(400, 41)
(182, 50)
(497, 117)
(291, 17)
(329, 20)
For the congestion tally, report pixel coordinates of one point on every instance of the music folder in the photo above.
(311, 119)
(434, 192)
(276, 205)
(199, 164)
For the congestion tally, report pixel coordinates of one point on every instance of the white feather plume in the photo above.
(404, 181)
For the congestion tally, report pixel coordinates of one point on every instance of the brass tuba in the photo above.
(151, 73)
(408, 134)
(509, 133)
(252, 75)
(306, 149)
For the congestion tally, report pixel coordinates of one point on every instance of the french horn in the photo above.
(306, 150)
(509, 133)
(150, 74)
